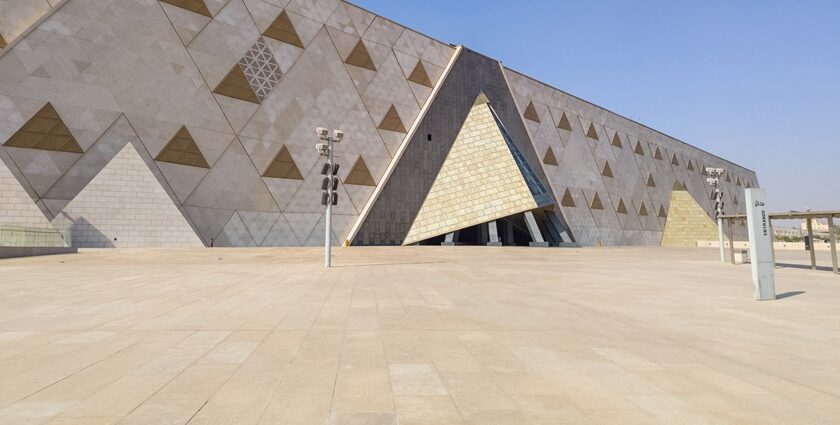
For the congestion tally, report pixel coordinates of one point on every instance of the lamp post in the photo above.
(329, 185)
(714, 181)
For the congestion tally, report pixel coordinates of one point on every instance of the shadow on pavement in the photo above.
(789, 294)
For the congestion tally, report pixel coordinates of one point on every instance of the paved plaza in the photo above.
(414, 336)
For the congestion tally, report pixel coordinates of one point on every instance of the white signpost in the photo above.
(761, 248)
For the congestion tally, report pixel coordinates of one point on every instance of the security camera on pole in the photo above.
(329, 185)
(714, 180)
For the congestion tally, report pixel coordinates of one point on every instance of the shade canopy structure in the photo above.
(808, 216)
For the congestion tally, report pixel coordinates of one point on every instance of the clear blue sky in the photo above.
(756, 82)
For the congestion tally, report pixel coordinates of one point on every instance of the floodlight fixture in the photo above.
(322, 133)
(329, 185)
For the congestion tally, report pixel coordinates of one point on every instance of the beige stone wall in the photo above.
(687, 222)
(479, 182)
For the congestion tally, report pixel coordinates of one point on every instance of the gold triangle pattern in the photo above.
(607, 171)
(45, 131)
(182, 150)
(549, 157)
(392, 121)
(658, 154)
(616, 141)
(360, 57)
(2, 42)
(197, 6)
(564, 123)
(283, 167)
(283, 30)
(596, 203)
(621, 209)
(236, 85)
(639, 150)
(650, 182)
(643, 210)
(360, 175)
(592, 133)
(674, 160)
(568, 200)
(420, 76)
(531, 113)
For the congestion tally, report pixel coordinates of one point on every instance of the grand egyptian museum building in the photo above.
(179, 123)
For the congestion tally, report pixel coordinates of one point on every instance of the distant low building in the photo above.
(782, 232)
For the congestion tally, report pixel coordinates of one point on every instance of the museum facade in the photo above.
(179, 123)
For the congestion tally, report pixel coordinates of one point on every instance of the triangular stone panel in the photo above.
(208, 222)
(235, 234)
(281, 234)
(233, 184)
(479, 163)
(592, 133)
(564, 123)
(638, 150)
(687, 222)
(283, 167)
(45, 130)
(186, 23)
(392, 121)
(420, 76)
(568, 200)
(621, 208)
(283, 30)
(616, 141)
(236, 85)
(607, 171)
(259, 224)
(531, 112)
(657, 154)
(549, 158)
(125, 206)
(359, 174)
(182, 150)
(360, 57)
(596, 203)
(197, 6)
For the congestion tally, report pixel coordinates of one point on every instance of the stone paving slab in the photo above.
(414, 336)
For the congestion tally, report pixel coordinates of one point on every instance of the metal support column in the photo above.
(449, 240)
(493, 232)
(832, 237)
(534, 230)
(731, 224)
(811, 240)
(773, 243)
